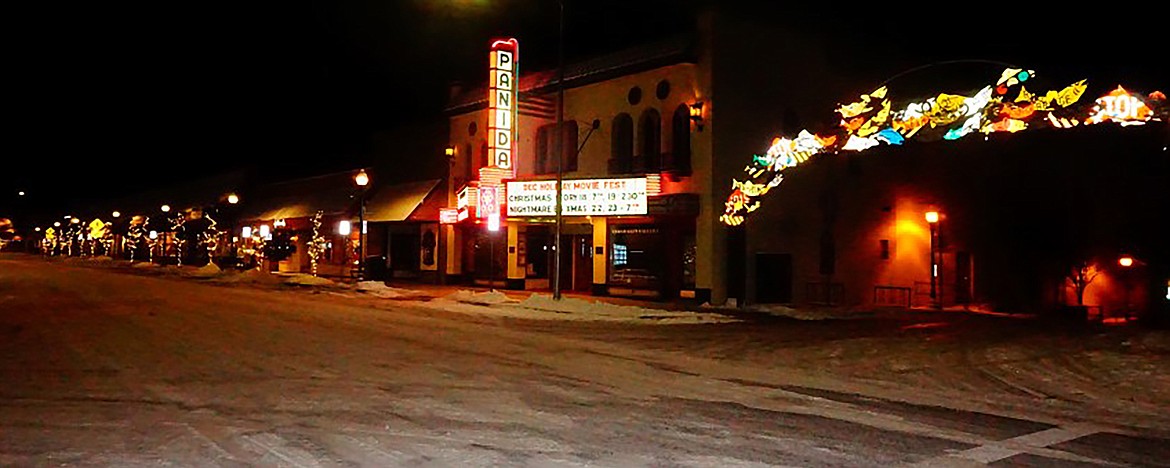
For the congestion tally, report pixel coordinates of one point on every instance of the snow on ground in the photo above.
(209, 270)
(544, 307)
(380, 289)
(249, 277)
(304, 279)
(810, 313)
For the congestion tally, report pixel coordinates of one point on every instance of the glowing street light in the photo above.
(932, 218)
(1125, 261)
(246, 232)
(56, 224)
(75, 221)
(165, 208)
(37, 229)
(20, 193)
(233, 198)
(361, 179)
(116, 214)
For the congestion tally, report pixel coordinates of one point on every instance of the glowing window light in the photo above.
(344, 227)
(246, 232)
(620, 254)
(265, 232)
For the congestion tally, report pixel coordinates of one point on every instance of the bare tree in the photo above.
(1080, 275)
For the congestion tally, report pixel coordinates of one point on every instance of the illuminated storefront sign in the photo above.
(489, 204)
(502, 102)
(448, 215)
(587, 197)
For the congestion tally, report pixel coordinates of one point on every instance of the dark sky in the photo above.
(116, 97)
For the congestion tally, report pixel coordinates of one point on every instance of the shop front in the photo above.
(619, 237)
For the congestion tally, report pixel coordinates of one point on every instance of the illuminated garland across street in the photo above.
(1008, 106)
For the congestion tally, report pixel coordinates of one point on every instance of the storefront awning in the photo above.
(398, 202)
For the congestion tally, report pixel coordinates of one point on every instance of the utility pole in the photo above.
(560, 145)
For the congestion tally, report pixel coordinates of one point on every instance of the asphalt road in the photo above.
(102, 368)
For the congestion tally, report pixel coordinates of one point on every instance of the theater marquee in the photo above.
(587, 197)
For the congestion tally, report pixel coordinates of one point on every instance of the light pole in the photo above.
(932, 219)
(560, 144)
(361, 179)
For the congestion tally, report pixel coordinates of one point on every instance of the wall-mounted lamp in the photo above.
(344, 228)
(697, 114)
(450, 152)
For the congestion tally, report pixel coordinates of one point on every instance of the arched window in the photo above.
(468, 164)
(546, 147)
(649, 158)
(621, 154)
(679, 159)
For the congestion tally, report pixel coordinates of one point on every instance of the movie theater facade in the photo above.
(632, 166)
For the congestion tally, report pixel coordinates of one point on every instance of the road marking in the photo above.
(1034, 443)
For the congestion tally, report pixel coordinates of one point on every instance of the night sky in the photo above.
(107, 99)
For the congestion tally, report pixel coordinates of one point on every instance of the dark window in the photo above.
(635, 96)
(663, 90)
(483, 155)
(649, 158)
(570, 150)
(621, 154)
(679, 159)
(885, 243)
(468, 164)
(472, 128)
(546, 145)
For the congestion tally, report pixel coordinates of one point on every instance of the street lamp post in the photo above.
(560, 144)
(361, 179)
(932, 218)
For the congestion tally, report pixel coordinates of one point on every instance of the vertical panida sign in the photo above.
(502, 102)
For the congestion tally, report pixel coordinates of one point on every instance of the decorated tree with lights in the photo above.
(317, 243)
(196, 235)
(136, 243)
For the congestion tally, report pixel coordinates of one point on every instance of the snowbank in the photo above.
(543, 307)
(379, 289)
(483, 298)
(249, 277)
(143, 265)
(825, 313)
(303, 279)
(581, 309)
(209, 270)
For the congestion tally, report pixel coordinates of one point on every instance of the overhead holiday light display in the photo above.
(874, 120)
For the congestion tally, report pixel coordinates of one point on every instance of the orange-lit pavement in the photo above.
(104, 368)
